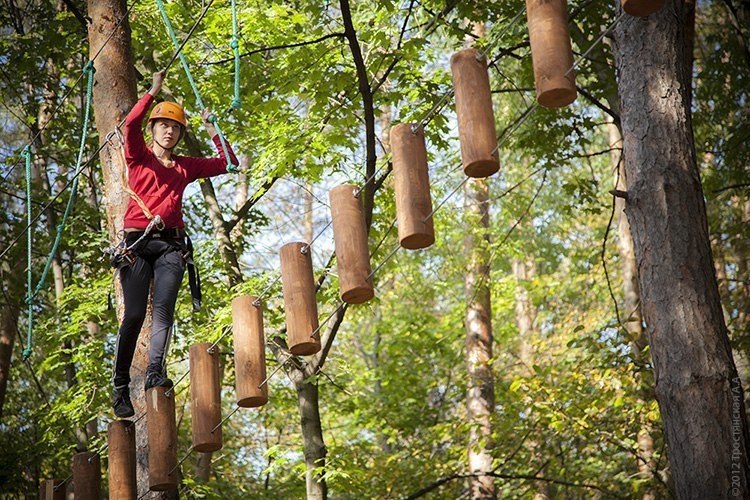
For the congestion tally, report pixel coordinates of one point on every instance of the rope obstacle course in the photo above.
(555, 85)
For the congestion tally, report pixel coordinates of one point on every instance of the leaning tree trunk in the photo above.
(697, 386)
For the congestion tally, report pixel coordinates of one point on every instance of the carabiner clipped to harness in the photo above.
(122, 254)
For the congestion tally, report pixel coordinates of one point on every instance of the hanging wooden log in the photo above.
(47, 489)
(86, 475)
(350, 241)
(299, 299)
(249, 352)
(205, 392)
(642, 8)
(162, 439)
(121, 444)
(476, 119)
(412, 186)
(551, 52)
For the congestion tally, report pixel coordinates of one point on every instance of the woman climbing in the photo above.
(157, 181)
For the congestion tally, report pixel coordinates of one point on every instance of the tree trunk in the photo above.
(114, 95)
(312, 435)
(480, 399)
(708, 442)
(8, 322)
(524, 271)
(632, 319)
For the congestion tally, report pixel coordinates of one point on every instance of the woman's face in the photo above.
(166, 132)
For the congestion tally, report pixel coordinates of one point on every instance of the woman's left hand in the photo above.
(207, 115)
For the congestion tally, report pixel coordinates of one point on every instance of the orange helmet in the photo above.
(170, 111)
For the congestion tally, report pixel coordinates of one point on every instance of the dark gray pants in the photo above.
(161, 260)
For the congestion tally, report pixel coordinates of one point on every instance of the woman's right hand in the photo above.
(158, 80)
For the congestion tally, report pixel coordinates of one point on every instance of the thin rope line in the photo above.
(171, 390)
(55, 488)
(181, 461)
(225, 419)
(322, 323)
(279, 367)
(211, 349)
(306, 248)
(256, 302)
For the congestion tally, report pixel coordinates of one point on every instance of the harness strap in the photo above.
(193, 277)
(119, 153)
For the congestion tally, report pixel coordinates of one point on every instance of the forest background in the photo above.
(321, 83)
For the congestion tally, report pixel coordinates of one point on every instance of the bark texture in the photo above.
(480, 399)
(632, 318)
(697, 387)
(114, 95)
(524, 271)
(8, 322)
(312, 435)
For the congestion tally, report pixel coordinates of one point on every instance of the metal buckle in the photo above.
(155, 235)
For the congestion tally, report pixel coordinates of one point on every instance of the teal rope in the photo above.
(230, 167)
(89, 68)
(183, 60)
(27, 351)
(235, 44)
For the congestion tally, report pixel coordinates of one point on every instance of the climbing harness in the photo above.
(123, 254)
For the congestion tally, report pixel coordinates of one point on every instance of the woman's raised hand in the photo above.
(208, 122)
(158, 80)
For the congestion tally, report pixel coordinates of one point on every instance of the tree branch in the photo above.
(78, 14)
(250, 203)
(741, 38)
(596, 102)
(520, 477)
(277, 47)
(327, 340)
(732, 186)
(367, 105)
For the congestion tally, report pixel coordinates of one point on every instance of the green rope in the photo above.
(235, 44)
(89, 68)
(27, 155)
(230, 166)
(198, 100)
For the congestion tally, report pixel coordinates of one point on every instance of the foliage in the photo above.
(393, 389)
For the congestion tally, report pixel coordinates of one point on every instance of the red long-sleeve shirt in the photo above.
(159, 187)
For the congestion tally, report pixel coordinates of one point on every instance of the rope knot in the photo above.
(232, 168)
(26, 151)
(236, 103)
(89, 67)
(234, 43)
(26, 353)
